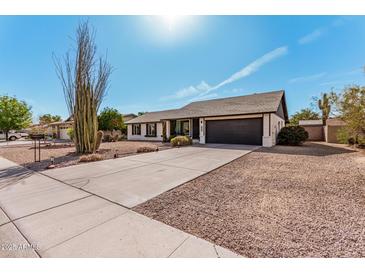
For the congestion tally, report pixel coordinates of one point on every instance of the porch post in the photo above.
(267, 139)
(191, 128)
(168, 125)
(202, 130)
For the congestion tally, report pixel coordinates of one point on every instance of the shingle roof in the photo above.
(248, 104)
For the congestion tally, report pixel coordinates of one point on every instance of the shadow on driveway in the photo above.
(13, 174)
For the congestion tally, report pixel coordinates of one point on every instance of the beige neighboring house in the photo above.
(129, 116)
(59, 130)
(318, 132)
(254, 119)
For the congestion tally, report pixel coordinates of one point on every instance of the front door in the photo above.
(196, 128)
(185, 127)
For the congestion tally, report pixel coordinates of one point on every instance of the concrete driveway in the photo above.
(132, 180)
(45, 217)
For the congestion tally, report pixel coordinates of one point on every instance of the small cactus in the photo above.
(99, 138)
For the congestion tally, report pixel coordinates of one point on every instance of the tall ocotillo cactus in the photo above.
(324, 105)
(84, 82)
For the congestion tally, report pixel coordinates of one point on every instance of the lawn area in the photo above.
(306, 201)
(65, 154)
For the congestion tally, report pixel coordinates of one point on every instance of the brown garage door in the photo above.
(238, 131)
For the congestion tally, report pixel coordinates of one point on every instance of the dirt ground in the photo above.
(65, 155)
(306, 201)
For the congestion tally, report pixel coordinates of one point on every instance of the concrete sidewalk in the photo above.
(43, 217)
(132, 180)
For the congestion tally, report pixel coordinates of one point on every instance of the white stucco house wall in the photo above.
(254, 119)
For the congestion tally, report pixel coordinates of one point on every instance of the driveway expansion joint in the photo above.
(86, 230)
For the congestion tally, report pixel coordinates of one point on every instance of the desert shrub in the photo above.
(99, 138)
(107, 137)
(91, 158)
(361, 141)
(292, 135)
(146, 149)
(351, 141)
(115, 137)
(38, 130)
(181, 141)
(343, 136)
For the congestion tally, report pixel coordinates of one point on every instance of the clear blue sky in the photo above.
(166, 62)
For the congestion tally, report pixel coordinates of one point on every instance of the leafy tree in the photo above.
(140, 113)
(14, 114)
(304, 114)
(49, 118)
(85, 79)
(352, 111)
(110, 119)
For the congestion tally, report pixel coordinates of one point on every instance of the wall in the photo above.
(272, 124)
(315, 132)
(331, 133)
(143, 133)
(277, 123)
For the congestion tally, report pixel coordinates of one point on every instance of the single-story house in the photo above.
(318, 132)
(59, 130)
(254, 119)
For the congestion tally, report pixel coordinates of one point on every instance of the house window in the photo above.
(151, 130)
(136, 129)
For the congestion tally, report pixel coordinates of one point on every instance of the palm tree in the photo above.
(324, 105)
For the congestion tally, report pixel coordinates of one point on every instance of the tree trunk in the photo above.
(7, 135)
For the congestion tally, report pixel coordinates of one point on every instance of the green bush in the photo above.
(343, 137)
(181, 141)
(361, 141)
(292, 135)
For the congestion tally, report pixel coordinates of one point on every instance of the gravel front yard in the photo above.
(304, 201)
(65, 153)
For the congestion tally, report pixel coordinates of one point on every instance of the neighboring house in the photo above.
(314, 128)
(129, 116)
(318, 132)
(252, 119)
(59, 130)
